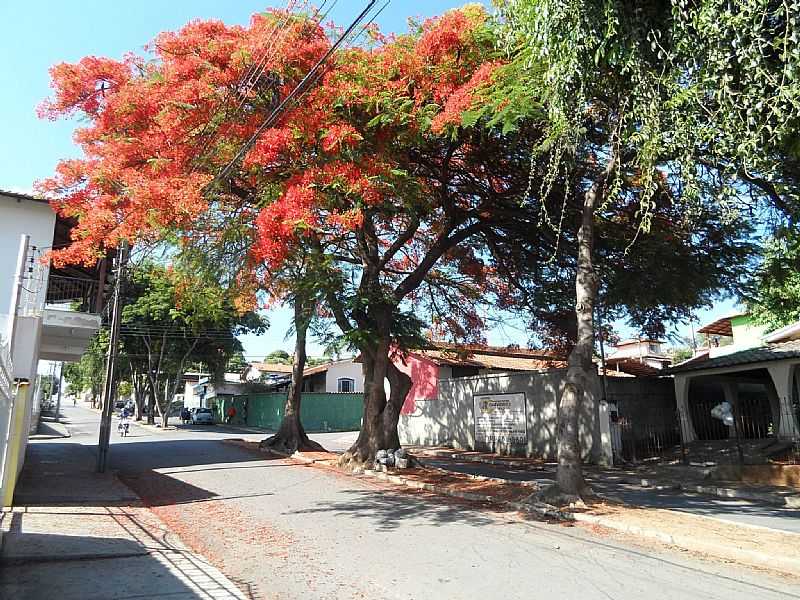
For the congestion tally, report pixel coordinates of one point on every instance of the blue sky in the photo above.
(40, 33)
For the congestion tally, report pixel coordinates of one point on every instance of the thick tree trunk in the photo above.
(372, 436)
(379, 425)
(569, 475)
(399, 386)
(291, 436)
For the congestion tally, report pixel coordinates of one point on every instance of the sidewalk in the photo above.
(76, 534)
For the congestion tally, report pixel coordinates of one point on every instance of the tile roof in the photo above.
(721, 326)
(632, 366)
(324, 367)
(272, 367)
(767, 353)
(486, 359)
(20, 196)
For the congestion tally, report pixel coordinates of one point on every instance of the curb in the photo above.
(35, 558)
(751, 558)
(758, 559)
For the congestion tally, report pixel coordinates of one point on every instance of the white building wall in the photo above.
(344, 368)
(17, 217)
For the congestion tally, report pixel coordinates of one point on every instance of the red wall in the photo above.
(424, 377)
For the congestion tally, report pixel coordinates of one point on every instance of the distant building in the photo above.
(340, 376)
(205, 392)
(637, 357)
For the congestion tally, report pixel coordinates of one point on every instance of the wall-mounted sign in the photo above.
(500, 419)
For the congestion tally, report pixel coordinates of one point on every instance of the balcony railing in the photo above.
(72, 293)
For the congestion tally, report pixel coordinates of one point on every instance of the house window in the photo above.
(346, 385)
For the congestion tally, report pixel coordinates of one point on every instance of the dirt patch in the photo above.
(474, 456)
(464, 484)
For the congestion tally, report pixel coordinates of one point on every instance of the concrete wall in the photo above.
(449, 420)
(344, 368)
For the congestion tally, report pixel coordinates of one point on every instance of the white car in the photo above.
(202, 416)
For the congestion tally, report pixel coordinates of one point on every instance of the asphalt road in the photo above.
(283, 530)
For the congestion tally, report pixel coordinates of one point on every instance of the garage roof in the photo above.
(769, 353)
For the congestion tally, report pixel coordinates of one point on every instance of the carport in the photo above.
(762, 384)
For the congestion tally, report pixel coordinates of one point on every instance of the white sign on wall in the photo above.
(500, 419)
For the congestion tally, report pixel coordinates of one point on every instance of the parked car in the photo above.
(202, 416)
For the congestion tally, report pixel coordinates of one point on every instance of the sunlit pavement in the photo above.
(279, 529)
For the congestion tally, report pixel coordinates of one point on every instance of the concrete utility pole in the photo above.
(111, 356)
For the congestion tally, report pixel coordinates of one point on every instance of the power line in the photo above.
(298, 90)
(251, 76)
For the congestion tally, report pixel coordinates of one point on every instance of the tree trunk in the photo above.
(151, 405)
(569, 475)
(291, 436)
(138, 395)
(399, 386)
(375, 357)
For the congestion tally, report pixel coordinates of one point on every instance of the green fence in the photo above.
(319, 412)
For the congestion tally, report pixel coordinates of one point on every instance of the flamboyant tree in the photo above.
(374, 169)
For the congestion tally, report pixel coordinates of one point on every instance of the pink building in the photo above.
(444, 361)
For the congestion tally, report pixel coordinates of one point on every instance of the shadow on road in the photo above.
(387, 511)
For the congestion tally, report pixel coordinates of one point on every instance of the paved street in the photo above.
(282, 530)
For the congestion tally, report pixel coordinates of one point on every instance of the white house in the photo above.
(343, 376)
(199, 390)
(45, 314)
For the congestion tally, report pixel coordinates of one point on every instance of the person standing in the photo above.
(231, 414)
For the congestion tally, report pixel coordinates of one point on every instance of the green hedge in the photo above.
(320, 412)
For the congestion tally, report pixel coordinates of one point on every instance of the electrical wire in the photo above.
(300, 89)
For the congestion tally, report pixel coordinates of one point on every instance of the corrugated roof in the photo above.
(768, 353)
(721, 326)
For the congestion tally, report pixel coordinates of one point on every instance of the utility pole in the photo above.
(111, 356)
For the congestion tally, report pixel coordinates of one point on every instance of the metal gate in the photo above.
(645, 426)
